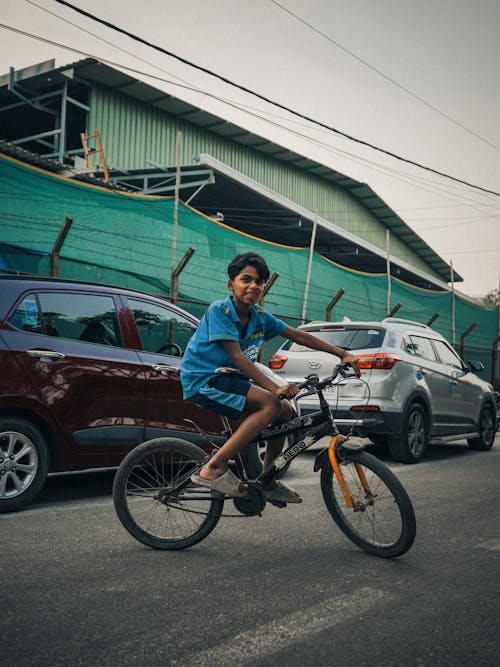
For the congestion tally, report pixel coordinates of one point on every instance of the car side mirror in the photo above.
(475, 366)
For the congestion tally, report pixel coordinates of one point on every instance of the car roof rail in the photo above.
(399, 320)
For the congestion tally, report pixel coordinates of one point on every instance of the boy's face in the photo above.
(247, 286)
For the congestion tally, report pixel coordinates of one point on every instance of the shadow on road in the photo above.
(76, 486)
(98, 483)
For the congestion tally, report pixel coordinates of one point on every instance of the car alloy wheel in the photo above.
(23, 463)
(411, 445)
(486, 431)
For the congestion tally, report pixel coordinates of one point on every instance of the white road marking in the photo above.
(266, 640)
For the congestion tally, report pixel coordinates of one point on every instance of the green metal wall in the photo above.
(134, 132)
(124, 239)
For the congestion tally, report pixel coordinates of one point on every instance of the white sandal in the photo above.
(228, 484)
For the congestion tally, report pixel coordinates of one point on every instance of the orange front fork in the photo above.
(338, 473)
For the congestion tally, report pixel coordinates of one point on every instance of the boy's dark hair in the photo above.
(237, 264)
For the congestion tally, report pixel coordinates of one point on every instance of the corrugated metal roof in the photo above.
(94, 71)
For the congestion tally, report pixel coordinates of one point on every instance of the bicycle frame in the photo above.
(158, 473)
(318, 425)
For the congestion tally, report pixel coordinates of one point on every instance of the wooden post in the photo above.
(101, 152)
(54, 255)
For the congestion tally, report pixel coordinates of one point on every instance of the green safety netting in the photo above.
(125, 239)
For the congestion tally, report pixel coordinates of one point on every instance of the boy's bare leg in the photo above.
(266, 408)
(275, 446)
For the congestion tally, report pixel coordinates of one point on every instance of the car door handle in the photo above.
(49, 354)
(163, 367)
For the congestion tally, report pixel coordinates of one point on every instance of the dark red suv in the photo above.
(86, 373)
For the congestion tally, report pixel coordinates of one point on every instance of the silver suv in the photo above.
(414, 388)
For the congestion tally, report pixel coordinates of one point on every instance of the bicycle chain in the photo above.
(226, 516)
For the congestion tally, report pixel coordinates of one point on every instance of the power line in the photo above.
(224, 79)
(405, 178)
(385, 76)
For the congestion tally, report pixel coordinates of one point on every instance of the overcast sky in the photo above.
(418, 79)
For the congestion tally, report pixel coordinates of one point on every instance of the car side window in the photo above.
(161, 329)
(87, 317)
(446, 355)
(420, 347)
(26, 316)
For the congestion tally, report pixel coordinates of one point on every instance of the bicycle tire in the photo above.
(384, 524)
(155, 500)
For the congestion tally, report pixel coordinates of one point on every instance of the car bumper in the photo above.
(377, 423)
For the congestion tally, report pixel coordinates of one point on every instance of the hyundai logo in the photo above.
(314, 363)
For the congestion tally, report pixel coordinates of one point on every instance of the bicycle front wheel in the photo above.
(381, 520)
(155, 499)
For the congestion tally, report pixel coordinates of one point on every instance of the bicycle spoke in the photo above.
(381, 520)
(155, 499)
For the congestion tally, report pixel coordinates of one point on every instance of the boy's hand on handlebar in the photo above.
(287, 391)
(353, 362)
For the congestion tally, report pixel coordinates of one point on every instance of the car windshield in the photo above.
(350, 338)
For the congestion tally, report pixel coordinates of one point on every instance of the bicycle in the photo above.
(159, 506)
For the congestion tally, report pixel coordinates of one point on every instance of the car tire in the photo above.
(411, 445)
(253, 457)
(486, 431)
(24, 463)
(379, 440)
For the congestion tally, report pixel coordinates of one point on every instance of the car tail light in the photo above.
(365, 408)
(277, 361)
(380, 360)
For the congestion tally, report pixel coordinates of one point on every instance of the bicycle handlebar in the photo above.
(314, 384)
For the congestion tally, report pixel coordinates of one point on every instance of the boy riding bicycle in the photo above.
(230, 334)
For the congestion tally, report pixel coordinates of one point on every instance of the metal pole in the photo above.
(54, 255)
(494, 360)
(309, 266)
(332, 303)
(61, 147)
(433, 318)
(498, 304)
(388, 267)
(176, 206)
(394, 310)
(452, 304)
(268, 286)
(463, 337)
(174, 283)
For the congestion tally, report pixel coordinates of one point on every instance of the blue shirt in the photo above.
(204, 353)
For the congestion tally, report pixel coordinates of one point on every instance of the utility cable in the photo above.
(385, 76)
(268, 100)
(406, 178)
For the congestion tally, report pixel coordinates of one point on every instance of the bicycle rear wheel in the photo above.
(382, 519)
(155, 499)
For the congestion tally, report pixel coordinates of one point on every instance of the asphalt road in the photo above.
(287, 588)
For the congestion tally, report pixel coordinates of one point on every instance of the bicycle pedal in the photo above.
(354, 444)
(277, 503)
